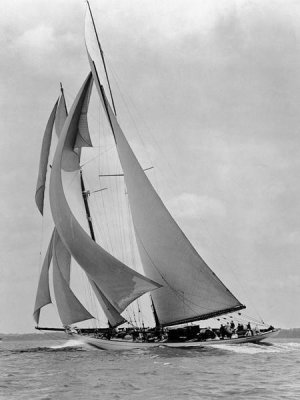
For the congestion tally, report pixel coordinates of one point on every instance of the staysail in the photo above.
(113, 316)
(119, 284)
(43, 292)
(190, 290)
(69, 308)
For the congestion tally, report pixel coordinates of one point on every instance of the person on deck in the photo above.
(249, 330)
(222, 331)
(228, 330)
(135, 335)
(210, 334)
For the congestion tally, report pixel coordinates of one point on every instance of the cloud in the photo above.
(40, 46)
(40, 37)
(291, 238)
(189, 205)
(39, 40)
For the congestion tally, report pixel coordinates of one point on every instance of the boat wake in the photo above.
(69, 344)
(253, 348)
(48, 349)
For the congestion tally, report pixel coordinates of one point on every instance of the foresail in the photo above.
(61, 257)
(190, 289)
(43, 292)
(119, 284)
(113, 316)
(40, 186)
(69, 308)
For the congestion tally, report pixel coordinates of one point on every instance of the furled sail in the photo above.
(43, 292)
(190, 290)
(69, 308)
(119, 284)
(40, 186)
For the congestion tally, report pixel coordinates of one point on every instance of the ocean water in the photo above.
(67, 370)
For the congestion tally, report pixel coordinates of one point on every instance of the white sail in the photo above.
(69, 308)
(61, 257)
(119, 284)
(41, 181)
(113, 316)
(43, 291)
(190, 290)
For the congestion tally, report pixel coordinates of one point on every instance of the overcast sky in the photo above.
(217, 85)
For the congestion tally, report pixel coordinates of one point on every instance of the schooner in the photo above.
(182, 287)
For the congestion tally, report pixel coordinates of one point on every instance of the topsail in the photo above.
(40, 186)
(69, 307)
(43, 292)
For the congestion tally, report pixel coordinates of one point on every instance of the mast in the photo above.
(190, 290)
(85, 195)
(106, 107)
(102, 57)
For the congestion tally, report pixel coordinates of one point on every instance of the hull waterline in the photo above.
(119, 344)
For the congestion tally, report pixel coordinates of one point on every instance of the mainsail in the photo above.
(119, 284)
(190, 290)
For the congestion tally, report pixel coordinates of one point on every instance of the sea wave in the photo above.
(65, 370)
(253, 348)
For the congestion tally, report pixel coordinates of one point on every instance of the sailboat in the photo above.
(182, 287)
